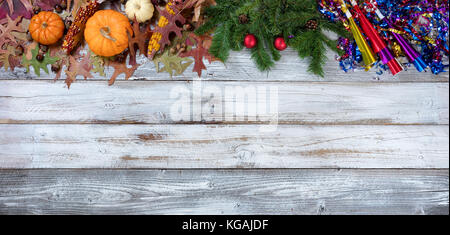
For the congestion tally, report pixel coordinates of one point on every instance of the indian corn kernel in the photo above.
(156, 37)
(76, 29)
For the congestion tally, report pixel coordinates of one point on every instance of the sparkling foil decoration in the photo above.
(421, 24)
(397, 50)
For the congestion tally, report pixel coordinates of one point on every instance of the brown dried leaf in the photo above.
(22, 35)
(7, 56)
(6, 31)
(16, 8)
(28, 48)
(139, 39)
(171, 27)
(198, 4)
(120, 68)
(55, 50)
(2, 59)
(78, 68)
(199, 52)
(47, 5)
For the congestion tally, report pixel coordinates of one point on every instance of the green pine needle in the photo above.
(220, 47)
(262, 58)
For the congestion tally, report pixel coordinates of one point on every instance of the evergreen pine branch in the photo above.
(293, 19)
(246, 8)
(268, 20)
(238, 36)
(303, 43)
(206, 27)
(275, 53)
(220, 47)
(331, 44)
(262, 31)
(217, 15)
(261, 57)
(318, 55)
(311, 44)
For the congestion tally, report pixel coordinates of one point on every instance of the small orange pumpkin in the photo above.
(106, 33)
(46, 27)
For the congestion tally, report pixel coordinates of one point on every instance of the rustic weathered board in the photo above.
(240, 67)
(218, 146)
(311, 191)
(152, 102)
(377, 125)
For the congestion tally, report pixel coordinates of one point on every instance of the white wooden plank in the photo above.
(216, 146)
(240, 67)
(152, 102)
(224, 192)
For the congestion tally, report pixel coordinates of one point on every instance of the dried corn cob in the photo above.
(154, 45)
(76, 29)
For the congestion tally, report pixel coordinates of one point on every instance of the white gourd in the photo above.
(141, 9)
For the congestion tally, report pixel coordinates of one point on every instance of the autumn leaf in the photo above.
(11, 35)
(38, 65)
(98, 64)
(171, 27)
(139, 39)
(28, 50)
(172, 64)
(199, 52)
(21, 35)
(120, 68)
(8, 58)
(47, 5)
(55, 50)
(6, 32)
(197, 5)
(78, 68)
(15, 8)
(1, 58)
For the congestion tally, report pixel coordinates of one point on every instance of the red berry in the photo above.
(280, 44)
(250, 41)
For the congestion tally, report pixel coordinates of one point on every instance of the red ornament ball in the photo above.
(280, 44)
(250, 41)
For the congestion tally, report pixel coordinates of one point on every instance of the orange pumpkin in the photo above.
(46, 27)
(106, 33)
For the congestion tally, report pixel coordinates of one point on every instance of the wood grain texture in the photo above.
(217, 146)
(348, 143)
(224, 192)
(240, 67)
(151, 103)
